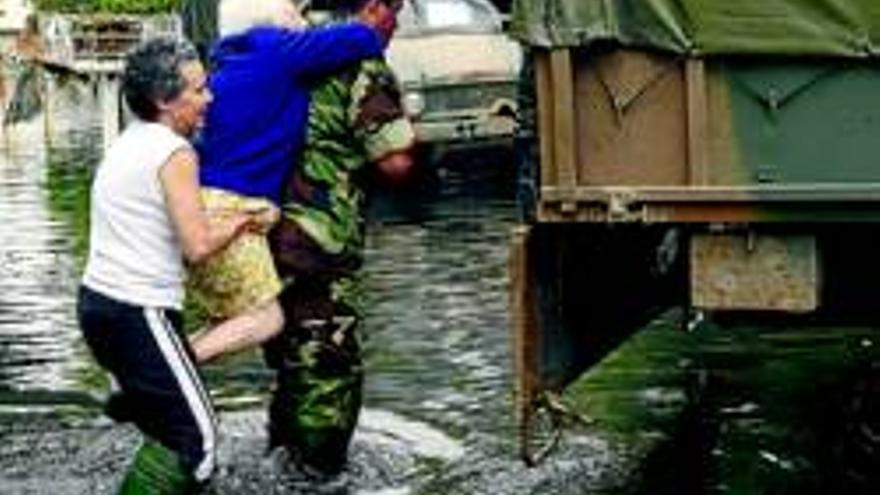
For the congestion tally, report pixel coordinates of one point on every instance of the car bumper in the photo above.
(465, 132)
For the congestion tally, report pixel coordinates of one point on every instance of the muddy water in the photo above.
(710, 412)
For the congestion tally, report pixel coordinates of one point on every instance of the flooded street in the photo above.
(438, 392)
(713, 411)
(37, 272)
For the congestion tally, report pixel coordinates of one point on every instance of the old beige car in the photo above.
(458, 70)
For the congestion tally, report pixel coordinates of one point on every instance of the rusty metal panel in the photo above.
(631, 119)
(544, 93)
(524, 329)
(697, 122)
(564, 128)
(754, 272)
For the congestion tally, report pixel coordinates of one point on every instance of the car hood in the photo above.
(451, 58)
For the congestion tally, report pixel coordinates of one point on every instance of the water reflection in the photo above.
(749, 408)
(41, 359)
(437, 321)
(37, 272)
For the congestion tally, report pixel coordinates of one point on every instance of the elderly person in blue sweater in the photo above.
(263, 66)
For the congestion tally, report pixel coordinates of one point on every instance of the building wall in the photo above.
(13, 14)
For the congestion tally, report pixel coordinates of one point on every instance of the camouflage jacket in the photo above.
(355, 118)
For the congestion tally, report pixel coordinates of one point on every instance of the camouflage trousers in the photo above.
(317, 392)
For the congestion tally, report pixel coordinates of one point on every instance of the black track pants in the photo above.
(150, 359)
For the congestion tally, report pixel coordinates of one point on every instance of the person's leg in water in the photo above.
(317, 395)
(153, 365)
(247, 330)
(236, 334)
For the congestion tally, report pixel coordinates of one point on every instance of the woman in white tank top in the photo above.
(146, 219)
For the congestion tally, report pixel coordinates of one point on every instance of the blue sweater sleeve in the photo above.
(320, 52)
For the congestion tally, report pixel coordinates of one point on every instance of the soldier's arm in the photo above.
(199, 237)
(380, 122)
(396, 166)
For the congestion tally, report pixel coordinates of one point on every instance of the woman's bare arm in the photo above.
(199, 238)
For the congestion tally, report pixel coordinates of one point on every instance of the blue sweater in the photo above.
(256, 124)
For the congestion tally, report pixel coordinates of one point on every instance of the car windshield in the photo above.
(448, 15)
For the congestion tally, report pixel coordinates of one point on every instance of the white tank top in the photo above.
(134, 254)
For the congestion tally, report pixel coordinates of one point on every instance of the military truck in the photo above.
(716, 157)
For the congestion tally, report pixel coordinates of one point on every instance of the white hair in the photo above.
(237, 16)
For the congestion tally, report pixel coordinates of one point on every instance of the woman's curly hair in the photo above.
(152, 74)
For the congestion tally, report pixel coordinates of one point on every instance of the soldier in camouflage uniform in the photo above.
(356, 126)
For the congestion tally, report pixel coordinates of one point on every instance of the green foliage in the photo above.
(107, 6)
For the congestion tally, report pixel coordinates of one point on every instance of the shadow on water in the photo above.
(771, 409)
(36, 274)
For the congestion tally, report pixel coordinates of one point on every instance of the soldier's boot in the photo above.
(157, 470)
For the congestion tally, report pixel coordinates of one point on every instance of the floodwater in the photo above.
(756, 410)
